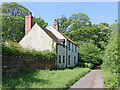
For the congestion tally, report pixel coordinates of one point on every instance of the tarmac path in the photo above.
(92, 80)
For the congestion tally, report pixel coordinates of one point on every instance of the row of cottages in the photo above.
(39, 38)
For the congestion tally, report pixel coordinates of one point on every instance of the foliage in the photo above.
(89, 65)
(40, 22)
(13, 21)
(80, 64)
(91, 39)
(74, 22)
(102, 35)
(14, 9)
(63, 23)
(14, 49)
(110, 79)
(45, 78)
(110, 66)
(83, 64)
(12, 27)
(89, 53)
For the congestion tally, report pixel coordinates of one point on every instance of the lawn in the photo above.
(45, 78)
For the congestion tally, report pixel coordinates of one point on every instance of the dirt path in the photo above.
(92, 80)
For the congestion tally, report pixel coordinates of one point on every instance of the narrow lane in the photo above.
(92, 80)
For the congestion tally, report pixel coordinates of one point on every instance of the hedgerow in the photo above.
(14, 49)
(110, 64)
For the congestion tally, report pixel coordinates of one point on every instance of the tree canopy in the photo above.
(79, 28)
(14, 9)
(13, 21)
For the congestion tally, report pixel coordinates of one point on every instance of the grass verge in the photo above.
(45, 78)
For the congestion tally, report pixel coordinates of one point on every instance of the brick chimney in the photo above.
(56, 24)
(28, 22)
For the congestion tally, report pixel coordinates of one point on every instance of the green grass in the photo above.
(45, 78)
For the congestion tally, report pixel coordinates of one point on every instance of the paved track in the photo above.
(92, 80)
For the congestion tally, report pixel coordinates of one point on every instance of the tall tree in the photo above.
(14, 9)
(13, 21)
(63, 23)
(39, 21)
(78, 20)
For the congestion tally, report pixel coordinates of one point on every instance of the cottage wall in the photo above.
(37, 39)
(64, 51)
(72, 54)
(61, 51)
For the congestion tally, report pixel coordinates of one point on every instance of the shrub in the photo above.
(86, 65)
(110, 66)
(89, 65)
(89, 53)
(80, 64)
(14, 49)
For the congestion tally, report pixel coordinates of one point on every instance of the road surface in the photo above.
(92, 80)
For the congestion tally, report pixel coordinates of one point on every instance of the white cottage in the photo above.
(39, 38)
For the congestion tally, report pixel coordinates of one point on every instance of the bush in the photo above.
(83, 64)
(80, 64)
(110, 66)
(14, 49)
(89, 65)
(89, 53)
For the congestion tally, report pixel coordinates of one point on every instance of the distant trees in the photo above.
(91, 39)
(13, 21)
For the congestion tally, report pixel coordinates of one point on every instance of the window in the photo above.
(72, 47)
(75, 49)
(63, 44)
(69, 60)
(59, 59)
(74, 59)
(69, 45)
(63, 59)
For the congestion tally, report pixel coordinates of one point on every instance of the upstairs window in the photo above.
(75, 49)
(72, 47)
(59, 59)
(69, 45)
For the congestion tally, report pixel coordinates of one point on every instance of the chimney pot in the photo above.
(56, 24)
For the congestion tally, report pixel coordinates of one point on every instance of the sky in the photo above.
(98, 12)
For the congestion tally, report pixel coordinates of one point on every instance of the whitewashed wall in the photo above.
(60, 49)
(37, 39)
(72, 54)
(57, 34)
(62, 52)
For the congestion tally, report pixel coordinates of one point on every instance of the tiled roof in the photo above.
(53, 36)
(68, 38)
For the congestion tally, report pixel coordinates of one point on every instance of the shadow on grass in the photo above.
(24, 79)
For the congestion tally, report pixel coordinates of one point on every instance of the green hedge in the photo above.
(110, 64)
(14, 49)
